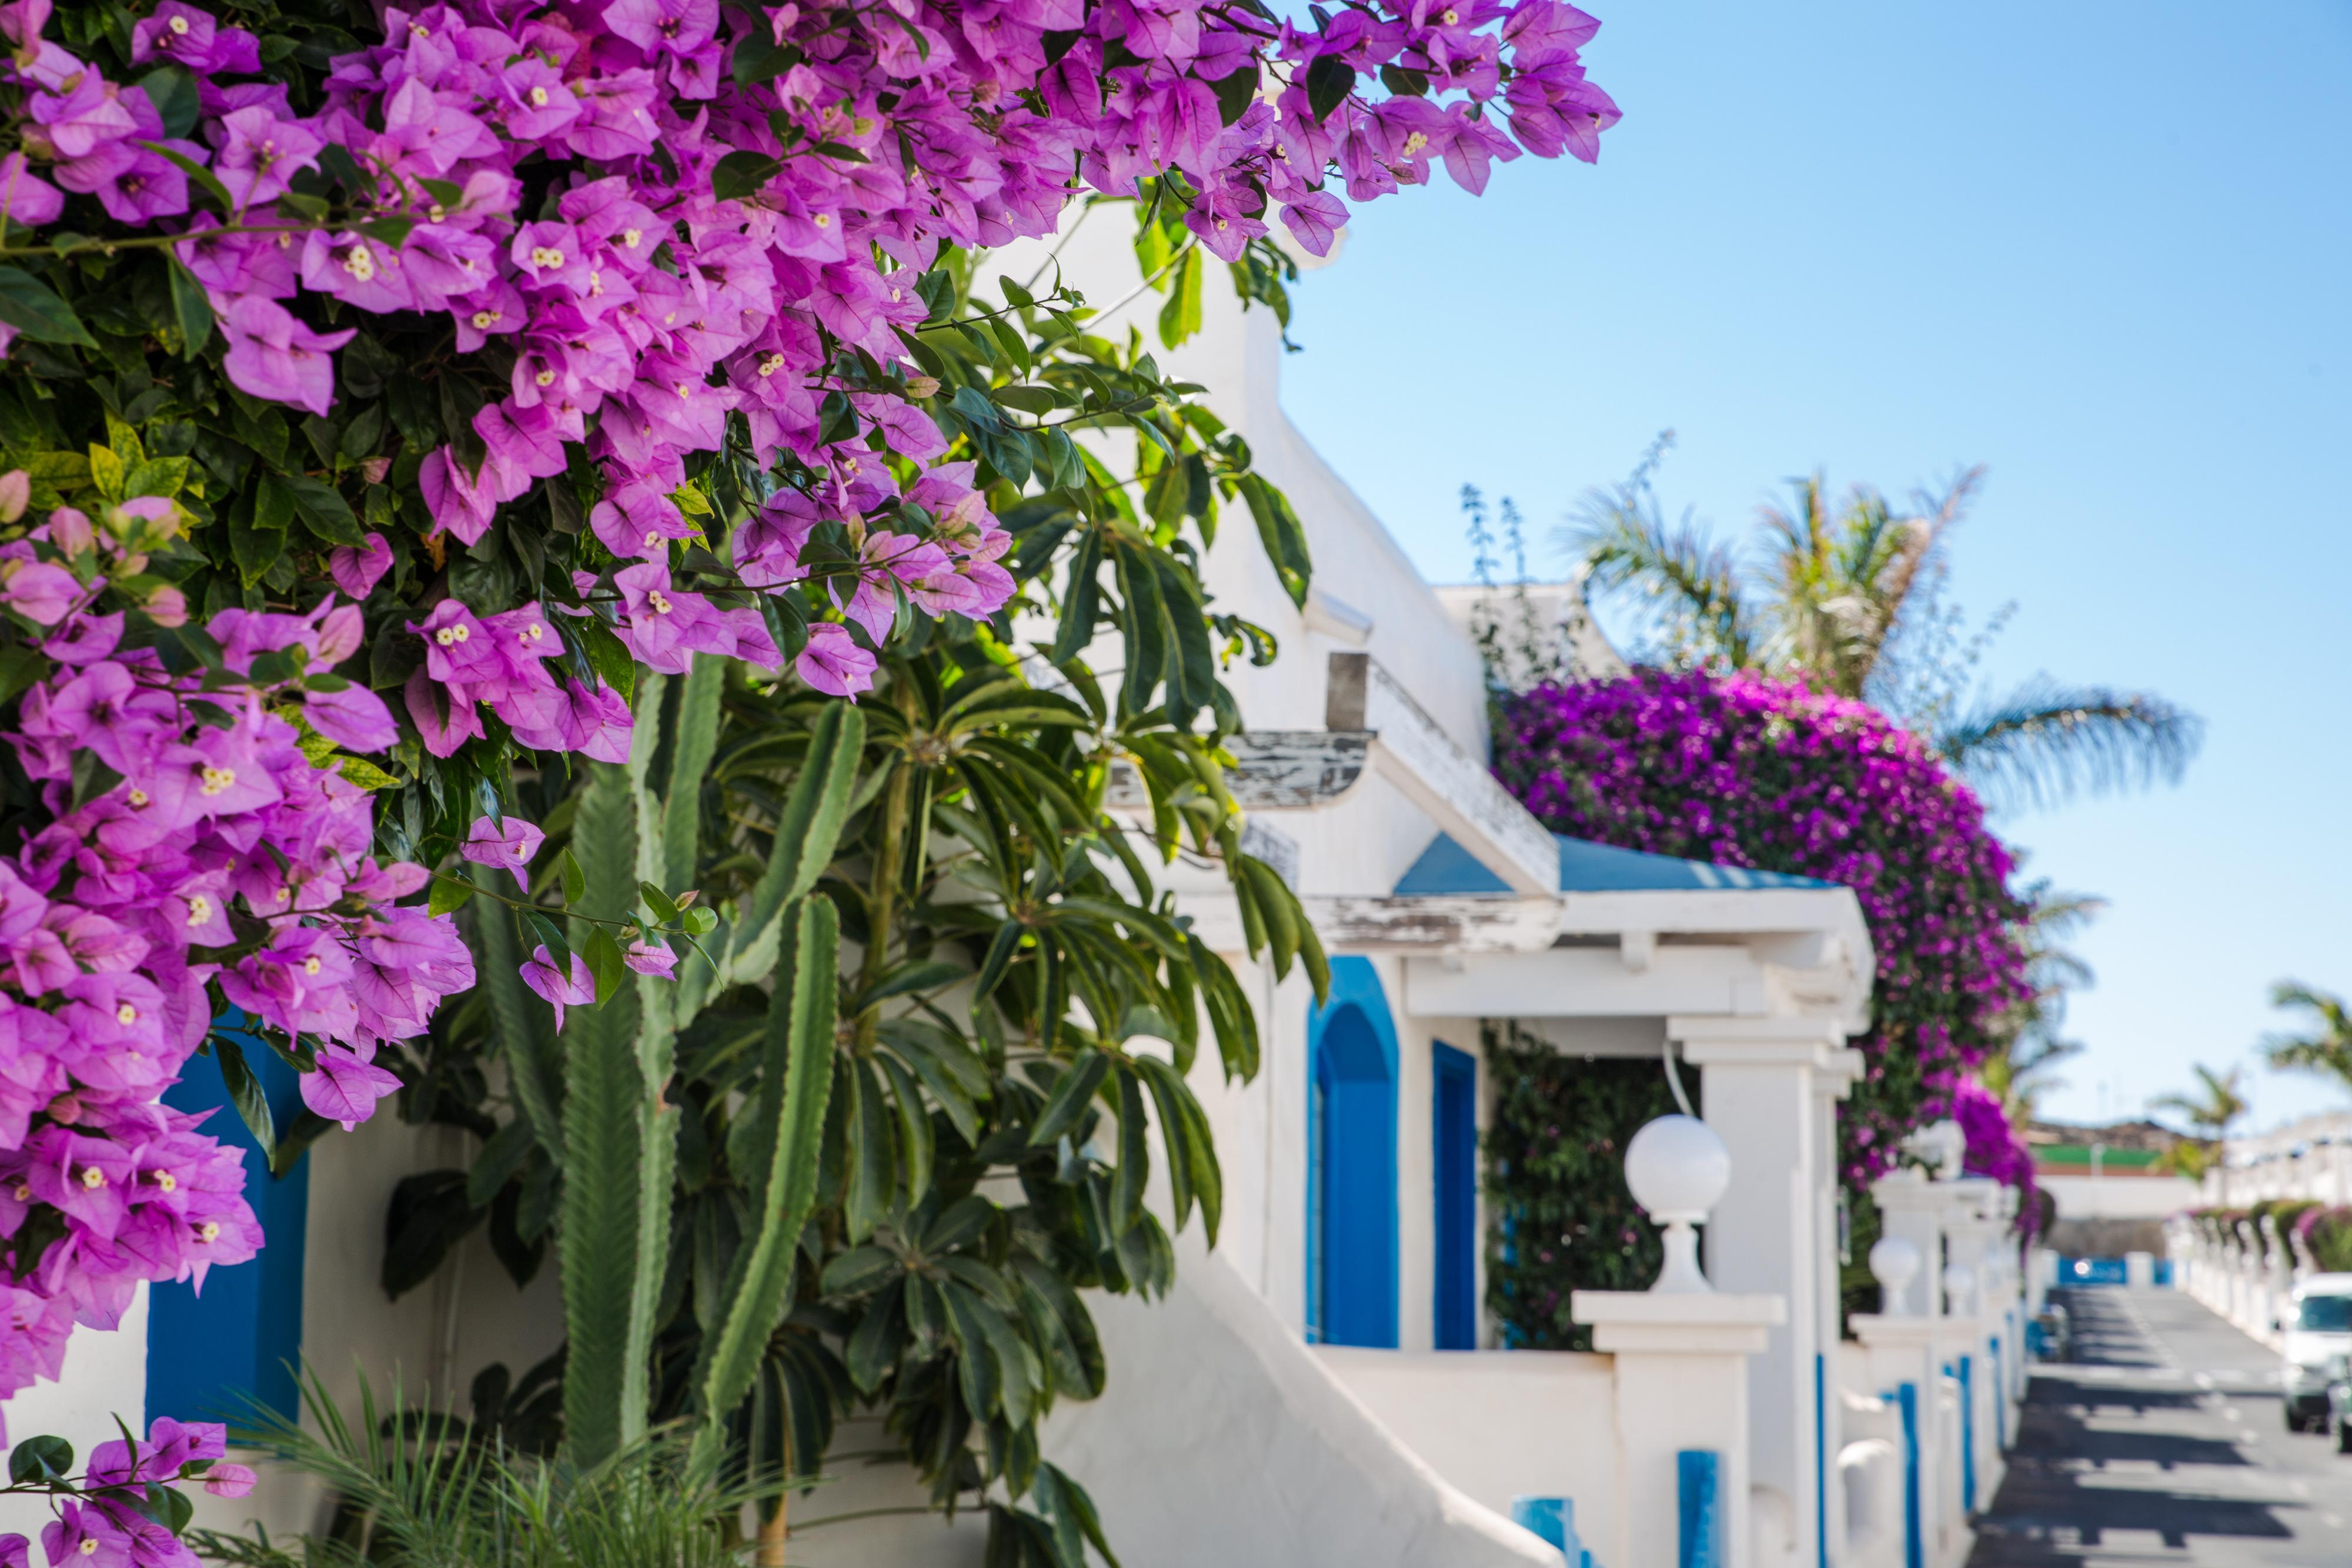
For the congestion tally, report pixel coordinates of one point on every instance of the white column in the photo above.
(1906, 1364)
(1768, 1085)
(1911, 1209)
(1682, 1383)
(1973, 1240)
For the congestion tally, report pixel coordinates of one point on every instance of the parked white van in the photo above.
(2316, 1335)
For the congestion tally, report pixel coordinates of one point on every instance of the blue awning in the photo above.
(1445, 867)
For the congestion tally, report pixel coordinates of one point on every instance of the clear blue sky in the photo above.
(2102, 248)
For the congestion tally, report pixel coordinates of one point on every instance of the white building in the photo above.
(1325, 1388)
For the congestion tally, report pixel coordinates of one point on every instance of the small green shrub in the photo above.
(1562, 1218)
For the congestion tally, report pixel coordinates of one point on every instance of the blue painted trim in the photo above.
(1351, 1254)
(1552, 1520)
(1968, 1435)
(1445, 867)
(1820, 1462)
(209, 1355)
(1914, 1543)
(1453, 1139)
(1698, 1476)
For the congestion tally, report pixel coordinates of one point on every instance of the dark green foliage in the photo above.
(1563, 1220)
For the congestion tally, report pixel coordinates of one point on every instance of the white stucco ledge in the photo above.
(1693, 1325)
(1222, 1439)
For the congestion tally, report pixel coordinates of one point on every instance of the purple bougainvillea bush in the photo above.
(1748, 771)
(1994, 1149)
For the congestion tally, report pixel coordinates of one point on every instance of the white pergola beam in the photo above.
(1590, 982)
(1451, 786)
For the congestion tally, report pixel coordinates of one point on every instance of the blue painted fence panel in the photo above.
(1699, 1475)
(1552, 1520)
(1914, 1543)
(1968, 1435)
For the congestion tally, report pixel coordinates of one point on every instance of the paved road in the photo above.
(2163, 1442)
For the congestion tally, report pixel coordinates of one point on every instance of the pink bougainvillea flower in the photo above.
(346, 1086)
(272, 355)
(557, 990)
(509, 844)
(229, 1480)
(833, 663)
(357, 568)
(651, 958)
(40, 592)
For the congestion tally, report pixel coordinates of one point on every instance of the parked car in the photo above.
(2315, 1336)
(2339, 1404)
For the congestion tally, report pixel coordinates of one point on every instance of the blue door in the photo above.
(210, 1357)
(1453, 1111)
(1351, 1211)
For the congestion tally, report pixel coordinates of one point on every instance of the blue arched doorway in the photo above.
(1351, 1183)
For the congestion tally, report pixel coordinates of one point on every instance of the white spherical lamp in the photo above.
(1677, 1168)
(1960, 1285)
(1894, 1263)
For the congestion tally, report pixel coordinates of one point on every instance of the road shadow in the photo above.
(2103, 1331)
(2071, 1483)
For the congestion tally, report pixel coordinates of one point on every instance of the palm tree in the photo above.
(2324, 1047)
(2209, 1113)
(1848, 597)
(2024, 1068)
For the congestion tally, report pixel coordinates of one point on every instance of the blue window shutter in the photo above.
(1453, 1112)
(211, 1356)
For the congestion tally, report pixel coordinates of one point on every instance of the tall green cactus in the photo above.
(619, 1133)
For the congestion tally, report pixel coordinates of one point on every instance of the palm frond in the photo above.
(1624, 541)
(2044, 742)
(2325, 1047)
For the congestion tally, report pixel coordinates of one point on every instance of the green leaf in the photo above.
(742, 174)
(448, 895)
(502, 1155)
(518, 1021)
(857, 1272)
(1073, 1090)
(610, 657)
(873, 1154)
(245, 1093)
(323, 509)
(191, 309)
(575, 880)
(359, 770)
(1279, 530)
(38, 1461)
(658, 902)
(20, 667)
(391, 231)
(602, 953)
(1134, 1153)
(910, 978)
(796, 1083)
(164, 476)
(1404, 81)
(172, 91)
(1236, 92)
(33, 308)
(1329, 81)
